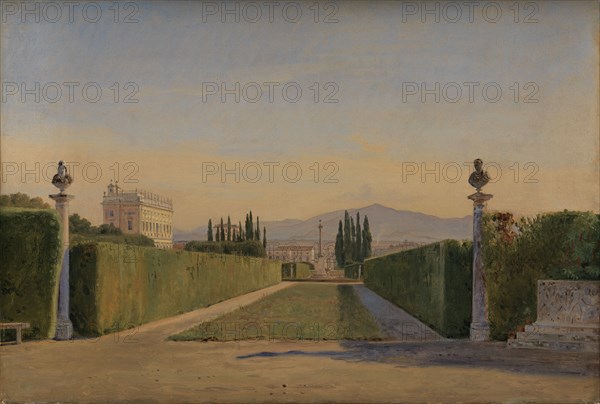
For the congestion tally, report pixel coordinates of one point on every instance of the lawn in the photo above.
(307, 311)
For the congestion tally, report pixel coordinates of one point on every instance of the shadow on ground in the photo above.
(460, 353)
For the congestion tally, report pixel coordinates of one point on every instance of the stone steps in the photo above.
(564, 337)
(554, 344)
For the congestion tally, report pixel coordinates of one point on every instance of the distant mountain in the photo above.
(387, 224)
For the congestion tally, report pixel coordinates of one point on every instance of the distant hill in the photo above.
(386, 224)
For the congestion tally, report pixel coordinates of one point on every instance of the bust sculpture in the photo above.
(479, 177)
(62, 179)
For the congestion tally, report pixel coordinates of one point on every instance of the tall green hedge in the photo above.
(119, 286)
(432, 283)
(302, 270)
(30, 251)
(518, 253)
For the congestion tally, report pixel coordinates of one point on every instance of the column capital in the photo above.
(479, 198)
(61, 198)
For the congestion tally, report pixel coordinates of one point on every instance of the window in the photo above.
(111, 213)
(129, 225)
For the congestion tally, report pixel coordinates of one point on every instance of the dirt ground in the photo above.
(139, 365)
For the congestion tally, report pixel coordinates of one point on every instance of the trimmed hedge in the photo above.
(303, 270)
(432, 283)
(249, 248)
(116, 286)
(30, 251)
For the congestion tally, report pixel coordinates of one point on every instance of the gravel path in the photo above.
(393, 321)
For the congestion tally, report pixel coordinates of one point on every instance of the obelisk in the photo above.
(62, 180)
(480, 327)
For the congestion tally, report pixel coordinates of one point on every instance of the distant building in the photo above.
(139, 212)
(293, 253)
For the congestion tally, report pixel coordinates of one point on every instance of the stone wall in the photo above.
(569, 302)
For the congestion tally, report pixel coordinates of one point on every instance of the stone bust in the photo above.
(479, 177)
(62, 179)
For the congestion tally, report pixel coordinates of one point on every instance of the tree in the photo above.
(81, 225)
(21, 200)
(358, 242)
(352, 239)
(109, 229)
(209, 232)
(367, 239)
(257, 229)
(218, 238)
(347, 239)
(339, 246)
(228, 228)
(222, 232)
(240, 233)
(250, 235)
(265, 238)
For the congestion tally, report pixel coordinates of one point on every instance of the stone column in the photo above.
(480, 328)
(64, 327)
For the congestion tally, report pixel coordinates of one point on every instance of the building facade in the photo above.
(140, 212)
(293, 253)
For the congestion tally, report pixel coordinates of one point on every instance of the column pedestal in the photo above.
(64, 327)
(480, 327)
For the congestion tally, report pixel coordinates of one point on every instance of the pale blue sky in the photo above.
(369, 53)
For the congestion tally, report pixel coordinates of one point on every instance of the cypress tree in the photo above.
(218, 235)
(358, 242)
(222, 231)
(240, 236)
(265, 238)
(339, 246)
(347, 238)
(250, 227)
(257, 228)
(352, 239)
(367, 239)
(228, 228)
(209, 232)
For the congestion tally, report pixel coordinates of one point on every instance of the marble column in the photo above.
(480, 328)
(64, 327)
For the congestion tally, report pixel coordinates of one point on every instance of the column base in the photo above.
(480, 332)
(64, 330)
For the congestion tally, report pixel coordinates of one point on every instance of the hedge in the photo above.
(432, 283)
(302, 270)
(30, 252)
(116, 286)
(249, 248)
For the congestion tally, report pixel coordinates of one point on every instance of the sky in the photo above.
(302, 108)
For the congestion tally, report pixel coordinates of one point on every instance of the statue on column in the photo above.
(479, 177)
(62, 179)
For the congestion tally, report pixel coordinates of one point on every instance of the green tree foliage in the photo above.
(265, 238)
(228, 228)
(367, 239)
(250, 248)
(339, 245)
(358, 241)
(347, 239)
(518, 253)
(257, 233)
(20, 200)
(209, 233)
(78, 224)
(222, 231)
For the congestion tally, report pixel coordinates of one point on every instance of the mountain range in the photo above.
(387, 224)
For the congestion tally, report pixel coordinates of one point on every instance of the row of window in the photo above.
(150, 227)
